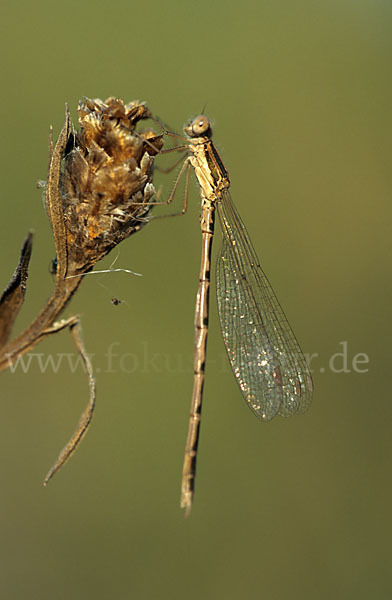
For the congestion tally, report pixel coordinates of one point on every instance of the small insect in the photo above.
(53, 266)
(116, 301)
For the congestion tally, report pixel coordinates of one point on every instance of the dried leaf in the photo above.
(53, 202)
(13, 296)
(74, 324)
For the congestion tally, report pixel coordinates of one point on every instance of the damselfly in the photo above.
(265, 356)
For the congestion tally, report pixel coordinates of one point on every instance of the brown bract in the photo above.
(98, 192)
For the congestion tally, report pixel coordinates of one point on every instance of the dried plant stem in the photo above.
(42, 327)
(39, 328)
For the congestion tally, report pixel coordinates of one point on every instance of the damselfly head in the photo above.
(198, 127)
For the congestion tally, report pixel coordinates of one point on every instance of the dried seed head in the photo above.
(106, 180)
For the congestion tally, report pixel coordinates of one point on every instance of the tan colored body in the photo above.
(212, 179)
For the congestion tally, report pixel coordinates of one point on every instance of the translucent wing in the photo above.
(265, 356)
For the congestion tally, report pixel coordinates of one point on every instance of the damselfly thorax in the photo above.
(209, 168)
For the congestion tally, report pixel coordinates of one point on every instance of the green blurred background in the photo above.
(300, 97)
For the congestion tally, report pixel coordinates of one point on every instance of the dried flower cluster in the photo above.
(106, 184)
(98, 192)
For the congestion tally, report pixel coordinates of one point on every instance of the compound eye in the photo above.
(200, 125)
